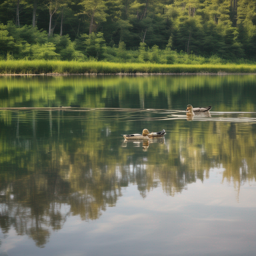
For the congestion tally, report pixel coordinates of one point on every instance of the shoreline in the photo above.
(132, 74)
(74, 68)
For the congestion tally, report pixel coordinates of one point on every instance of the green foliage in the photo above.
(95, 45)
(6, 41)
(61, 42)
(169, 45)
(66, 49)
(31, 35)
(122, 54)
(44, 51)
(169, 56)
(42, 66)
(154, 56)
(134, 30)
(143, 53)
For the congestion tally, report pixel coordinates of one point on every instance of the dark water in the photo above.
(70, 185)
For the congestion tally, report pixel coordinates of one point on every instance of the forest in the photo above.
(136, 31)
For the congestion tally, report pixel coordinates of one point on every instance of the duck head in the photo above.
(189, 109)
(145, 132)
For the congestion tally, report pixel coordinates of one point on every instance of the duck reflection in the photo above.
(198, 115)
(145, 135)
(144, 143)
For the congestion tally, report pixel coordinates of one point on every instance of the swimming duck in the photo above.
(192, 111)
(157, 134)
(136, 136)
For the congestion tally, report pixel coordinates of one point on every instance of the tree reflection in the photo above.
(49, 175)
(56, 164)
(145, 92)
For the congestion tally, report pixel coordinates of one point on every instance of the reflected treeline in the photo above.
(224, 93)
(55, 164)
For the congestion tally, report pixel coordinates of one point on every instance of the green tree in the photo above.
(155, 56)
(122, 54)
(95, 45)
(15, 5)
(64, 4)
(143, 53)
(6, 41)
(188, 23)
(95, 10)
(246, 20)
(53, 6)
(44, 52)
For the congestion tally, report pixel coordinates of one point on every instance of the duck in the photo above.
(192, 111)
(157, 134)
(144, 143)
(136, 136)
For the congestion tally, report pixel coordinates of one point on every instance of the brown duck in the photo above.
(136, 136)
(157, 134)
(192, 111)
(145, 135)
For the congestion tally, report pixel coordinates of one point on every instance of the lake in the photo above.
(71, 185)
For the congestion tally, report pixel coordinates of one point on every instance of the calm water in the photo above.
(70, 185)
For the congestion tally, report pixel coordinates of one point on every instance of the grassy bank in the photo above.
(73, 67)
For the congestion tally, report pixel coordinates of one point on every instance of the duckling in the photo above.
(136, 136)
(157, 134)
(192, 111)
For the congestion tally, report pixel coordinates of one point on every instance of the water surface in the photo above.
(70, 184)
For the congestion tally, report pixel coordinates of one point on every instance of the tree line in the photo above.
(128, 30)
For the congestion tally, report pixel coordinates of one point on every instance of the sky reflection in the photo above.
(205, 219)
(70, 185)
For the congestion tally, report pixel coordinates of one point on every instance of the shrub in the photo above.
(44, 52)
(143, 53)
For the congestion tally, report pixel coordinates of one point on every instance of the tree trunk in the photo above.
(144, 36)
(145, 11)
(18, 14)
(61, 22)
(126, 9)
(215, 19)
(34, 13)
(78, 28)
(50, 25)
(188, 42)
(53, 28)
(233, 7)
(51, 13)
(194, 11)
(91, 24)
